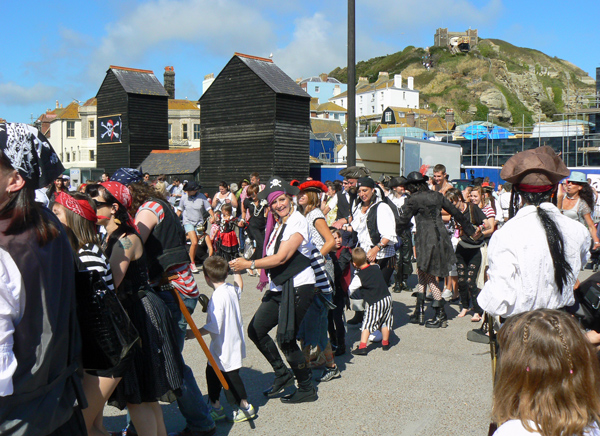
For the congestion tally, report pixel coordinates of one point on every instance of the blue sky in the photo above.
(61, 50)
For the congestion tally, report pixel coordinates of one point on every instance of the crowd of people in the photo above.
(318, 249)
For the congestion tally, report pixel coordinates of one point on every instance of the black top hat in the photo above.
(275, 184)
(416, 177)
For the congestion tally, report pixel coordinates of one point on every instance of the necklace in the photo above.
(258, 210)
(569, 197)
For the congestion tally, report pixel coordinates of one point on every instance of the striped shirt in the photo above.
(93, 259)
(184, 282)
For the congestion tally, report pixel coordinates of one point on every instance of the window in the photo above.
(381, 108)
(68, 157)
(184, 131)
(92, 155)
(361, 111)
(372, 109)
(336, 116)
(404, 96)
(381, 94)
(196, 131)
(373, 97)
(92, 130)
(316, 89)
(361, 98)
(169, 132)
(388, 117)
(70, 129)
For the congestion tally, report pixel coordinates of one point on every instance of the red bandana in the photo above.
(80, 207)
(534, 188)
(120, 192)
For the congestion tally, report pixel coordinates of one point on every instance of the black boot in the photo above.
(357, 319)
(440, 320)
(418, 316)
(306, 392)
(283, 379)
(341, 343)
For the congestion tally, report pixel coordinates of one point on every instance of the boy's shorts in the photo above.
(379, 315)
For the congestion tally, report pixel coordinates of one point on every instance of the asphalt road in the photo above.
(431, 382)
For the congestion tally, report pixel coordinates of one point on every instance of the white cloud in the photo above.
(12, 94)
(319, 46)
(218, 27)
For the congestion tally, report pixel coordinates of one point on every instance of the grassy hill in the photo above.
(495, 79)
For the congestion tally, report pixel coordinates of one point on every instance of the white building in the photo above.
(373, 98)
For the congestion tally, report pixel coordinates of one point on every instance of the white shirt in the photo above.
(398, 201)
(386, 224)
(296, 223)
(504, 206)
(12, 307)
(224, 322)
(514, 427)
(520, 267)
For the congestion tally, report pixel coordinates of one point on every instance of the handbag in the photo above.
(106, 330)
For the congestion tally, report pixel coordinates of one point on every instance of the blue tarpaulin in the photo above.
(475, 132)
(498, 133)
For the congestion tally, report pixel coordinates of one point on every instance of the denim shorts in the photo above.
(189, 228)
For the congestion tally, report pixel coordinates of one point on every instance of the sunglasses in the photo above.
(100, 204)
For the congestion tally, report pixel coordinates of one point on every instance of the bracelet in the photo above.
(252, 267)
(380, 246)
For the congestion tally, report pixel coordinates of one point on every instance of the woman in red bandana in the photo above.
(156, 373)
(78, 214)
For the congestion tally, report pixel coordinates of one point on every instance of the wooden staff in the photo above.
(192, 325)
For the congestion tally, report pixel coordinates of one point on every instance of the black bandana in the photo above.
(30, 153)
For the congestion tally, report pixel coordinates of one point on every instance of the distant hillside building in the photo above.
(373, 98)
(442, 37)
(322, 87)
(253, 117)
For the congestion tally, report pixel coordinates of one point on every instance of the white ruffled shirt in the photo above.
(386, 224)
(521, 273)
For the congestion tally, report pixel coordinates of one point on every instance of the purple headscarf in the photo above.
(264, 279)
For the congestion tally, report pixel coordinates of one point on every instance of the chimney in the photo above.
(323, 77)
(336, 90)
(56, 104)
(298, 80)
(383, 75)
(208, 80)
(449, 116)
(363, 81)
(411, 83)
(410, 119)
(169, 81)
(397, 80)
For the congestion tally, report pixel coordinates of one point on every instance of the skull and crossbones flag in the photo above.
(109, 130)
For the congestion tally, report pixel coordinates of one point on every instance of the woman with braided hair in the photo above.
(536, 255)
(548, 379)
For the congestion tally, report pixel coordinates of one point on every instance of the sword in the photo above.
(192, 325)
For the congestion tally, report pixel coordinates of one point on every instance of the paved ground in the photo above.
(431, 382)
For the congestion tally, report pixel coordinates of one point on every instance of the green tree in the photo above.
(548, 108)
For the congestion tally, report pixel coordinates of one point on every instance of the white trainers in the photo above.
(447, 294)
(242, 415)
(193, 268)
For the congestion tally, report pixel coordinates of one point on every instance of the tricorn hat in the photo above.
(416, 177)
(397, 181)
(536, 167)
(355, 172)
(313, 186)
(275, 184)
(191, 186)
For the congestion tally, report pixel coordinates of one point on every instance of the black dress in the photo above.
(256, 226)
(435, 254)
(156, 373)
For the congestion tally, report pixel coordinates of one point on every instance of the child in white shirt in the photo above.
(226, 329)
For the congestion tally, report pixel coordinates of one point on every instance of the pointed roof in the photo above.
(135, 81)
(71, 112)
(272, 75)
(331, 107)
(182, 104)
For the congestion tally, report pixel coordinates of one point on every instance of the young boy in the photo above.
(368, 283)
(228, 347)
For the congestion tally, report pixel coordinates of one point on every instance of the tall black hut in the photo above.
(133, 113)
(253, 117)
